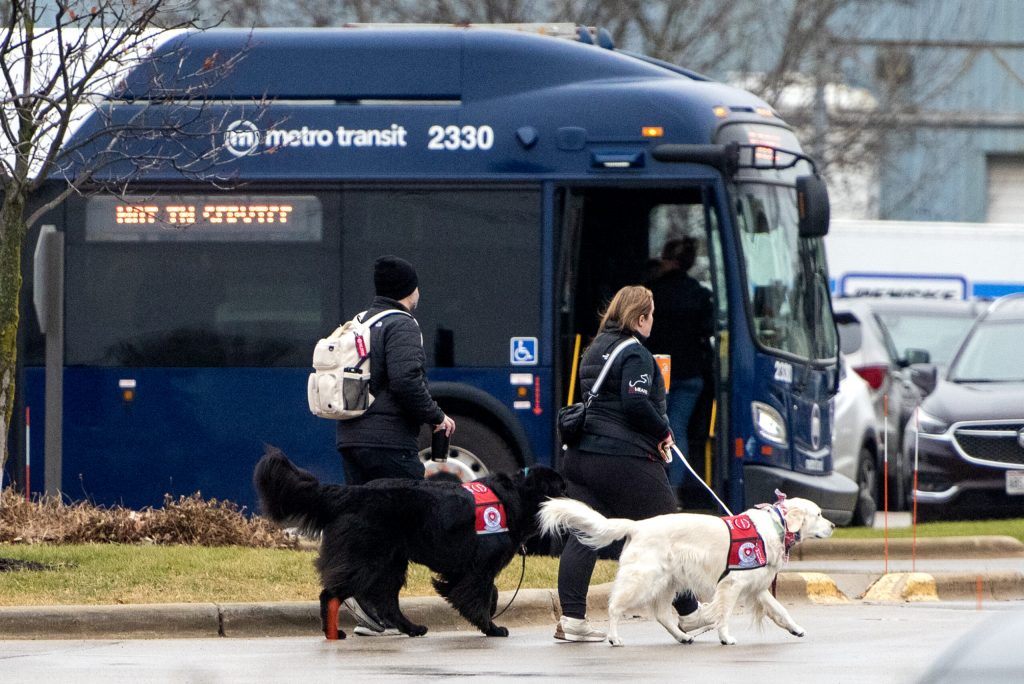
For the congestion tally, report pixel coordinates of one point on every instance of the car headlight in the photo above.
(926, 423)
(768, 423)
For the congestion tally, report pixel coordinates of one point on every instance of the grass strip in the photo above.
(150, 573)
(105, 574)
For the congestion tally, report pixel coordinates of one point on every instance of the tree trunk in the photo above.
(12, 235)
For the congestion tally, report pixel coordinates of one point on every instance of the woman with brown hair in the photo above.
(618, 467)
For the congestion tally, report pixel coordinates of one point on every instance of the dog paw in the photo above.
(417, 630)
(798, 631)
(497, 631)
(729, 641)
(615, 642)
(685, 639)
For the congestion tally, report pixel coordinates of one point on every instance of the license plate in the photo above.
(1015, 481)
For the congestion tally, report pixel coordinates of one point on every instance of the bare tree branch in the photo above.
(62, 63)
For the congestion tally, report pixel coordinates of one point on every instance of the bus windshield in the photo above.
(787, 285)
(787, 289)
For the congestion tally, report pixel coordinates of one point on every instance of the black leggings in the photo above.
(616, 487)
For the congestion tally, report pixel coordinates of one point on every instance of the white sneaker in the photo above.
(577, 629)
(363, 618)
(696, 622)
(363, 630)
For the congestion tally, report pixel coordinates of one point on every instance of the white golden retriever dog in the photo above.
(669, 554)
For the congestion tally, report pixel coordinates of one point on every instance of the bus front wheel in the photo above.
(475, 451)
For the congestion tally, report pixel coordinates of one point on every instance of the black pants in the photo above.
(616, 487)
(364, 464)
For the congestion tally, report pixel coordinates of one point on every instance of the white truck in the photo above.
(925, 259)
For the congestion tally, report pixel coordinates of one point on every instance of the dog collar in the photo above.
(778, 511)
(490, 513)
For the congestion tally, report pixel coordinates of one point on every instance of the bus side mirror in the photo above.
(812, 203)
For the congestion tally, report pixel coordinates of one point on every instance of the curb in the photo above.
(128, 621)
(536, 607)
(903, 548)
(532, 607)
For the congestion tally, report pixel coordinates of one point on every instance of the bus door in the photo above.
(612, 237)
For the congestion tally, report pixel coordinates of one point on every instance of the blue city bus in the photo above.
(527, 177)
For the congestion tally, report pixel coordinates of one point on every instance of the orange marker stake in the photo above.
(885, 475)
(913, 543)
(913, 522)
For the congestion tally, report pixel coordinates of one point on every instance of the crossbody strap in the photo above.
(608, 364)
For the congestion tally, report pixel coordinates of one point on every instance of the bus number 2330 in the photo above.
(460, 137)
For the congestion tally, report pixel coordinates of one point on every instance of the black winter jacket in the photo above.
(627, 417)
(684, 324)
(398, 383)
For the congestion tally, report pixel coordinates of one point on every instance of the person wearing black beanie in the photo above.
(383, 441)
(394, 277)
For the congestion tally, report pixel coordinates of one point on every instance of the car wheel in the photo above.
(475, 451)
(867, 483)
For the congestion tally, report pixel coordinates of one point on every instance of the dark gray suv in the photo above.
(968, 433)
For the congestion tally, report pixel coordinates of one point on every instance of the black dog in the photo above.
(371, 532)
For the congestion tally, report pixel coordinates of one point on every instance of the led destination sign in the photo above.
(186, 214)
(204, 217)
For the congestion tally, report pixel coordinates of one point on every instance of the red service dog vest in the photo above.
(746, 548)
(490, 514)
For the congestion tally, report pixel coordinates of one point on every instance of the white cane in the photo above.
(699, 479)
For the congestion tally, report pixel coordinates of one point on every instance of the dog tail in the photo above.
(590, 527)
(291, 496)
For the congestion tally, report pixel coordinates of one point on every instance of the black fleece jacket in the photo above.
(627, 416)
(398, 383)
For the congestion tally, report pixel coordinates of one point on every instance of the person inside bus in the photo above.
(618, 466)
(684, 329)
(382, 442)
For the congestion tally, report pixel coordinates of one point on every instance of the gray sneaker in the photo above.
(696, 622)
(363, 617)
(363, 630)
(577, 629)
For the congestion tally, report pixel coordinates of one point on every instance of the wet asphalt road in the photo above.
(847, 643)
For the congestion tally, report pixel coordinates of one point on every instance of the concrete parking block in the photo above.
(808, 586)
(903, 586)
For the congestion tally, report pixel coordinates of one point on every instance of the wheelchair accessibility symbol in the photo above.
(523, 351)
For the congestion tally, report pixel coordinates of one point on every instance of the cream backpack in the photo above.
(339, 386)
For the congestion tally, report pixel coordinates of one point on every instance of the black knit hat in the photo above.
(394, 277)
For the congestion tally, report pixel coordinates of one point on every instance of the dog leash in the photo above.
(522, 551)
(700, 479)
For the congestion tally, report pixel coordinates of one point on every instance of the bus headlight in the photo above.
(768, 423)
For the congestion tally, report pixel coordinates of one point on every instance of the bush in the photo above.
(185, 520)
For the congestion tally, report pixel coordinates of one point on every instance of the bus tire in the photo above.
(475, 451)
